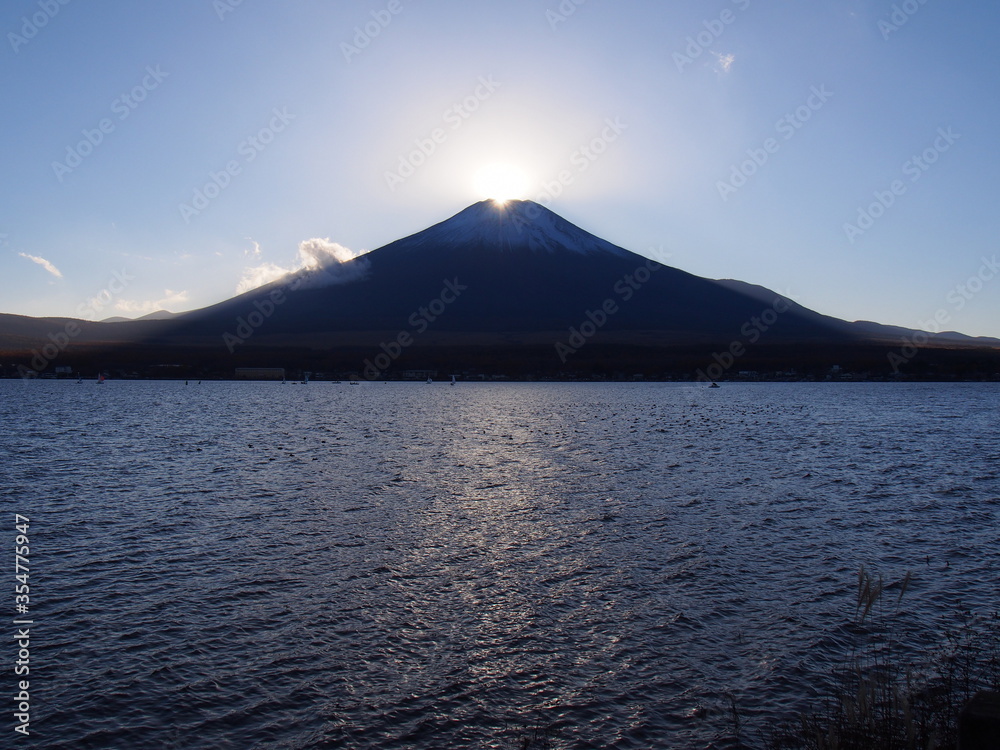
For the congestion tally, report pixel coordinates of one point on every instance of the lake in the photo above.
(403, 565)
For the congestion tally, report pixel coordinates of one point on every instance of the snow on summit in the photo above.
(514, 224)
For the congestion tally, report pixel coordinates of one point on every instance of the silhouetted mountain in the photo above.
(501, 288)
(522, 270)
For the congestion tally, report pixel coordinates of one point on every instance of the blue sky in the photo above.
(772, 142)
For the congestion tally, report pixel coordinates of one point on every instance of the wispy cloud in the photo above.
(724, 62)
(137, 307)
(321, 261)
(44, 264)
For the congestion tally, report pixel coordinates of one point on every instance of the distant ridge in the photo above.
(158, 315)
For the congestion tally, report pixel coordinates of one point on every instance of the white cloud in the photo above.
(44, 264)
(259, 276)
(135, 307)
(317, 253)
(724, 62)
(320, 262)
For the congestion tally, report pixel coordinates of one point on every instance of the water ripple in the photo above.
(412, 566)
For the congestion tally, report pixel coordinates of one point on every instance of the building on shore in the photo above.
(260, 373)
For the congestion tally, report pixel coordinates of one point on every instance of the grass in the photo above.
(531, 737)
(884, 701)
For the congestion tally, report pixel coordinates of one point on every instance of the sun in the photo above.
(501, 182)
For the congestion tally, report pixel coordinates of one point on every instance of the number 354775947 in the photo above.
(21, 562)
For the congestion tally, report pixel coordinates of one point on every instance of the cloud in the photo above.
(319, 263)
(724, 62)
(317, 253)
(44, 264)
(135, 307)
(259, 276)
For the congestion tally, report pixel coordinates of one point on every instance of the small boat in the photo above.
(714, 385)
(453, 380)
(429, 381)
(100, 379)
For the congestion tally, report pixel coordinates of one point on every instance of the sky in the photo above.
(169, 155)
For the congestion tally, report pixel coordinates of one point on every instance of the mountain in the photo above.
(510, 288)
(523, 270)
(158, 315)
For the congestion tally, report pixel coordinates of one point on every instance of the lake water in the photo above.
(422, 566)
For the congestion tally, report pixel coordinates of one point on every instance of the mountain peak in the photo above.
(512, 225)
